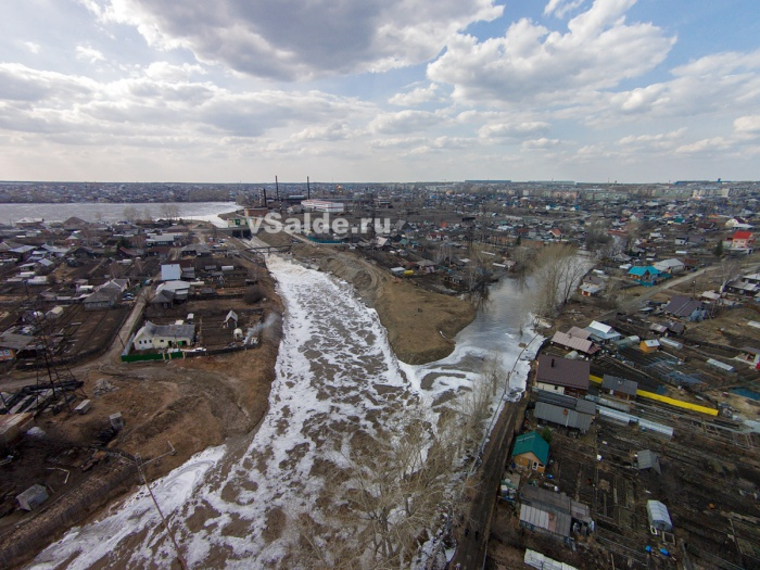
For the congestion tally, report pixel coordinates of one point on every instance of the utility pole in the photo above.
(180, 558)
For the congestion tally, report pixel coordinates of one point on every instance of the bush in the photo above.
(253, 295)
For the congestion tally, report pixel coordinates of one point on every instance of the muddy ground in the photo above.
(421, 325)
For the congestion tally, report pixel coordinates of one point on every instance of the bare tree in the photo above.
(728, 270)
(558, 270)
(130, 214)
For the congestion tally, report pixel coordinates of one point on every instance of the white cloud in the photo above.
(517, 130)
(748, 125)
(561, 8)
(87, 53)
(416, 97)
(159, 104)
(33, 47)
(532, 65)
(293, 39)
(540, 144)
(162, 70)
(706, 146)
(407, 121)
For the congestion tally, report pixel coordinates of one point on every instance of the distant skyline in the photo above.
(370, 90)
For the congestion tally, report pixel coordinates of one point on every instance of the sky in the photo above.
(379, 90)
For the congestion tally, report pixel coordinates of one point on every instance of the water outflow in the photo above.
(231, 506)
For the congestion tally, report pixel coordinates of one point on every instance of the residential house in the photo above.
(645, 275)
(670, 266)
(103, 298)
(685, 307)
(171, 271)
(563, 376)
(742, 242)
(575, 339)
(151, 336)
(592, 286)
(601, 332)
(531, 451)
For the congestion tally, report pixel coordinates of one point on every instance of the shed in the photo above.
(619, 387)
(231, 320)
(648, 459)
(651, 345)
(659, 517)
(33, 497)
(563, 416)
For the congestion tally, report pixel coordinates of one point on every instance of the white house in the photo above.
(670, 266)
(151, 336)
(171, 271)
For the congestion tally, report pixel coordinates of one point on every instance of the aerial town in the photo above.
(128, 346)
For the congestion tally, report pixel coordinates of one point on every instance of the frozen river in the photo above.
(233, 506)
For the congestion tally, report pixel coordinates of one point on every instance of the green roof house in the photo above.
(531, 451)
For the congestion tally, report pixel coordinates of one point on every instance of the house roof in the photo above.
(682, 306)
(532, 442)
(563, 416)
(563, 372)
(668, 263)
(741, 235)
(640, 271)
(166, 331)
(616, 384)
(648, 459)
(602, 331)
(576, 343)
(16, 341)
(103, 295)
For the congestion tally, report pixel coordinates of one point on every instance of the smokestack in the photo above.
(308, 189)
(266, 204)
(277, 189)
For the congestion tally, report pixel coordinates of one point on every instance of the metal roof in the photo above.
(532, 443)
(615, 384)
(648, 459)
(658, 515)
(563, 372)
(563, 416)
(574, 342)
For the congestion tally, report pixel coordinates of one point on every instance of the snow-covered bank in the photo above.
(235, 506)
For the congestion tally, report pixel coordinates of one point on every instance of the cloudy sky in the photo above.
(379, 90)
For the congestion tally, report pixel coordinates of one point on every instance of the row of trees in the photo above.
(167, 211)
(387, 495)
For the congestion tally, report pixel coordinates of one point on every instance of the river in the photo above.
(107, 212)
(234, 505)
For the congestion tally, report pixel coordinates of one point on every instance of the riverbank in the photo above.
(421, 325)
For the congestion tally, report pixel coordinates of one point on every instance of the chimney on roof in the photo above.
(552, 363)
